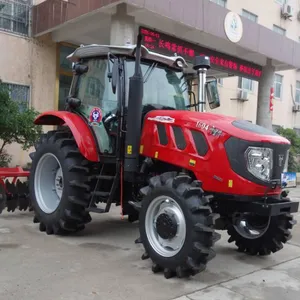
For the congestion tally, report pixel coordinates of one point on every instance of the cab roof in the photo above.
(95, 50)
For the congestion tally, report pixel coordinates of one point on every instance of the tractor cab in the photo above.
(100, 88)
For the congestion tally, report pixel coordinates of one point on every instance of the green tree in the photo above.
(16, 124)
(292, 136)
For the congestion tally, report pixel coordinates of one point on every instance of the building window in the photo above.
(14, 16)
(220, 2)
(279, 30)
(278, 86)
(245, 84)
(275, 127)
(297, 98)
(19, 93)
(247, 14)
(297, 130)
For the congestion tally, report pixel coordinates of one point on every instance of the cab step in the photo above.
(96, 210)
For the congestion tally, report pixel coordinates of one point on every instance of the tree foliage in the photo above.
(294, 139)
(16, 124)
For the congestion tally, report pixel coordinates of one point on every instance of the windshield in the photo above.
(162, 86)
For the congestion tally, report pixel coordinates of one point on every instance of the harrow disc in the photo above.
(15, 196)
(2, 198)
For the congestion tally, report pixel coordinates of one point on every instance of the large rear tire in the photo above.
(261, 236)
(58, 184)
(176, 225)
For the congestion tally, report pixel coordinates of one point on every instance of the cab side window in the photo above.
(94, 88)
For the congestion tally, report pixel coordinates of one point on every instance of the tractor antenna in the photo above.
(134, 117)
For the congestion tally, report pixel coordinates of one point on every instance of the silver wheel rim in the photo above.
(165, 247)
(248, 230)
(48, 183)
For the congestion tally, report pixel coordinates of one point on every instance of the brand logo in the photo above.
(162, 119)
(233, 27)
(95, 115)
(280, 160)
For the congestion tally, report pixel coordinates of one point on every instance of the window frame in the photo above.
(280, 2)
(241, 81)
(278, 29)
(10, 84)
(246, 13)
(281, 86)
(297, 89)
(11, 17)
(218, 2)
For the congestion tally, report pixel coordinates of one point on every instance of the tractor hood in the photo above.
(232, 126)
(241, 129)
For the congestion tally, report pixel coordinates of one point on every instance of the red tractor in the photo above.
(146, 144)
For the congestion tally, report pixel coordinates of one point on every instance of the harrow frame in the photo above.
(13, 192)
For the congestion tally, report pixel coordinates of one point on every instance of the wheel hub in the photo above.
(48, 183)
(251, 226)
(166, 226)
(59, 182)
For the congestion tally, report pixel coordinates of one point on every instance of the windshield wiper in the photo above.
(149, 71)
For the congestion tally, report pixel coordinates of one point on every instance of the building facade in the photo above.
(37, 35)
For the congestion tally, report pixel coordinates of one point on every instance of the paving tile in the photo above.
(216, 293)
(266, 285)
(292, 268)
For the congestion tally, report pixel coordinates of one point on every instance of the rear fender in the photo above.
(80, 130)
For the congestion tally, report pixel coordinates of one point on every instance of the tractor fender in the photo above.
(82, 133)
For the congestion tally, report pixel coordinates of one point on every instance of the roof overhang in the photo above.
(197, 21)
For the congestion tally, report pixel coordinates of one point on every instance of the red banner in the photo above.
(271, 98)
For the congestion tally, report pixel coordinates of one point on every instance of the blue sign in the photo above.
(288, 179)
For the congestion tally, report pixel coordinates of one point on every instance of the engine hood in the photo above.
(232, 126)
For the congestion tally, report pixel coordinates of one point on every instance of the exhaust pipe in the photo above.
(134, 117)
(201, 65)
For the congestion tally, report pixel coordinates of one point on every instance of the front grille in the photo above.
(235, 149)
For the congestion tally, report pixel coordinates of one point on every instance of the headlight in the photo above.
(260, 162)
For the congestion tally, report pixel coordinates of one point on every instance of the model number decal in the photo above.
(211, 129)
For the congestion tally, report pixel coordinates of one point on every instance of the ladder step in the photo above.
(101, 194)
(96, 210)
(102, 177)
(105, 177)
(136, 205)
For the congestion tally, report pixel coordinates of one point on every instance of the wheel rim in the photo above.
(164, 211)
(252, 227)
(48, 183)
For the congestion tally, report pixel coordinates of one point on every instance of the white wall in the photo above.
(269, 13)
(32, 63)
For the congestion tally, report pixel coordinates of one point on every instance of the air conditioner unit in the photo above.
(296, 108)
(243, 95)
(286, 11)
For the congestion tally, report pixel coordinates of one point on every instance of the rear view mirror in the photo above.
(80, 68)
(212, 94)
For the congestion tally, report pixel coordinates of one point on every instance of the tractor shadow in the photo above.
(16, 215)
(108, 227)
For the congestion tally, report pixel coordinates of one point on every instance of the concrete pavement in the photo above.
(102, 262)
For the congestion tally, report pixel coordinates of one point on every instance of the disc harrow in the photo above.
(14, 193)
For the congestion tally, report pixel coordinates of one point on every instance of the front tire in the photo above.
(257, 236)
(58, 184)
(176, 225)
